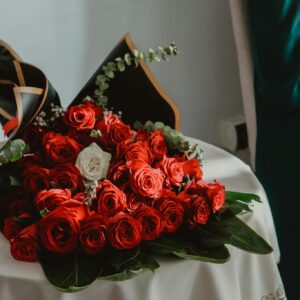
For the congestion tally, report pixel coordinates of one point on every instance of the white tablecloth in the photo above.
(245, 277)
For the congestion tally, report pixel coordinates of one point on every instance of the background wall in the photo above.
(67, 39)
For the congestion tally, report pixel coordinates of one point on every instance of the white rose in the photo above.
(93, 162)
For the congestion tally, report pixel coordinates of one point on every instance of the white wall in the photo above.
(69, 38)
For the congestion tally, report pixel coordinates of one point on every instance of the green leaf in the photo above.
(110, 74)
(143, 58)
(164, 245)
(14, 181)
(73, 272)
(213, 255)
(243, 237)
(136, 53)
(121, 66)
(231, 230)
(123, 265)
(127, 59)
(236, 207)
(12, 151)
(121, 276)
(242, 196)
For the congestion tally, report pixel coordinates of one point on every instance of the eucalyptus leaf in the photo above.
(127, 59)
(121, 66)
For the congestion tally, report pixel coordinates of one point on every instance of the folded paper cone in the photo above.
(136, 92)
(25, 91)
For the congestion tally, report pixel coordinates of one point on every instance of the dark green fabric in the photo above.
(275, 27)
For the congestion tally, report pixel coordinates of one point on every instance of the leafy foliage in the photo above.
(204, 243)
(12, 151)
(121, 63)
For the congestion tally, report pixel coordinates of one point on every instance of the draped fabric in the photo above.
(275, 26)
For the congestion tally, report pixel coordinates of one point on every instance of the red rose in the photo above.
(118, 174)
(81, 197)
(145, 180)
(198, 211)
(93, 234)
(67, 176)
(125, 231)
(96, 108)
(11, 228)
(51, 199)
(113, 131)
(80, 117)
(171, 211)
(36, 178)
(25, 246)
(150, 220)
(82, 137)
(173, 169)
(216, 192)
(192, 168)
(142, 134)
(32, 135)
(60, 149)
(134, 200)
(110, 200)
(19, 208)
(130, 150)
(158, 144)
(59, 229)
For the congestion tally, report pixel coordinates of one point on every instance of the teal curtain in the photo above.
(275, 26)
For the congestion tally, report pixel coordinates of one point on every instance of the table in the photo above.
(245, 277)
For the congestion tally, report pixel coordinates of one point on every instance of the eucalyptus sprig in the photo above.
(13, 151)
(121, 63)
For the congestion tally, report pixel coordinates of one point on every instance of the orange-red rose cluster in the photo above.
(149, 190)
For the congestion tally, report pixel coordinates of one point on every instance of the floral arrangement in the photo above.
(92, 197)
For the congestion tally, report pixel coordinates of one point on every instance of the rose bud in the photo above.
(59, 229)
(36, 178)
(216, 192)
(51, 199)
(93, 233)
(125, 231)
(158, 144)
(60, 149)
(171, 211)
(93, 162)
(150, 220)
(113, 131)
(10, 228)
(198, 211)
(80, 117)
(67, 176)
(145, 180)
(110, 200)
(25, 246)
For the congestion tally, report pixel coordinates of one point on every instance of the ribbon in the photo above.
(24, 92)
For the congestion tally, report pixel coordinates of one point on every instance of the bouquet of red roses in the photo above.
(97, 198)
